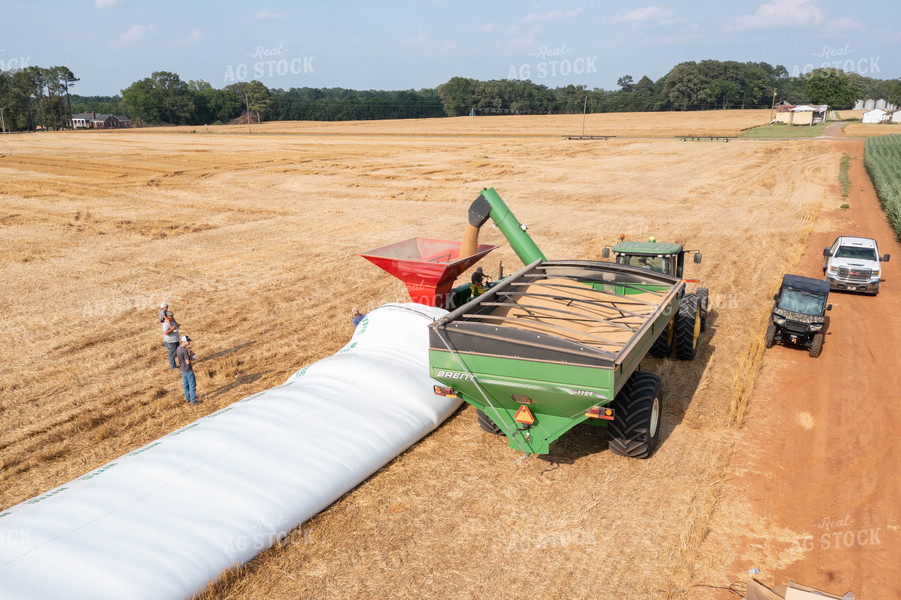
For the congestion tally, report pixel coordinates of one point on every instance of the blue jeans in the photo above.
(189, 382)
(171, 347)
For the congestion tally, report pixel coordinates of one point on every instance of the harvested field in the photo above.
(656, 124)
(252, 240)
(870, 129)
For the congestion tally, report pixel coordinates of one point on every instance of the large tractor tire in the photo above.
(638, 411)
(770, 335)
(703, 300)
(688, 327)
(663, 345)
(816, 345)
(487, 424)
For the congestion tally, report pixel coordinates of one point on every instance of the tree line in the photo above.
(37, 97)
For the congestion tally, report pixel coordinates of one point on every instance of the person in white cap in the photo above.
(186, 364)
(163, 308)
(170, 336)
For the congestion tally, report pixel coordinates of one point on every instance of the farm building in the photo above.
(870, 104)
(877, 115)
(801, 114)
(93, 120)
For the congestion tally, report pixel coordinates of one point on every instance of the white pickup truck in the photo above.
(852, 263)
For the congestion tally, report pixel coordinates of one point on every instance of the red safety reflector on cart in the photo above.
(524, 416)
(447, 392)
(596, 412)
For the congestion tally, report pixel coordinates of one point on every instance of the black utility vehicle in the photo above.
(799, 314)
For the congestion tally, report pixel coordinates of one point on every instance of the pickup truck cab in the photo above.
(852, 263)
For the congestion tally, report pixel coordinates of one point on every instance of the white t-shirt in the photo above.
(172, 337)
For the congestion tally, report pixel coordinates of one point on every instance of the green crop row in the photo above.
(883, 162)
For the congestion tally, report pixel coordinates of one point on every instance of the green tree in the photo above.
(626, 83)
(831, 87)
(458, 96)
(255, 95)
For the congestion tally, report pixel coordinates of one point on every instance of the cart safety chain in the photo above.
(478, 387)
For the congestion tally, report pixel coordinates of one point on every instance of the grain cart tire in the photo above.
(688, 327)
(487, 424)
(663, 345)
(635, 430)
(703, 299)
(770, 335)
(816, 345)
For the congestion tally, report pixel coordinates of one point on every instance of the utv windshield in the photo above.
(856, 252)
(654, 263)
(802, 302)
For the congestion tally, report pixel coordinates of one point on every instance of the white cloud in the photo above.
(779, 13)
(191, 38)
(552, 15)
(134, 35)
(648, 14)
(421, 38)
(105, 3)
(843, 24)
(524, 43)
(486, 28)
(686, 34)
(269, 16)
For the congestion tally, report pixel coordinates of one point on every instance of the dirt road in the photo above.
(815, 495)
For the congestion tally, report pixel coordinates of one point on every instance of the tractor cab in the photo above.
(660, 257)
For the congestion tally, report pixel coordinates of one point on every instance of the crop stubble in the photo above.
(252, 239)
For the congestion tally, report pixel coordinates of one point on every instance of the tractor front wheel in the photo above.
(688, 327)
(703, 299)
(770, 335)
(663, 345)
(637, 413)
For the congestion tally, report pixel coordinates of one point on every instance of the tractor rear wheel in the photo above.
(770, 335)
(637, 412)
(663, 345)
(688, 327)
(816, 345)
(487, 424)
(703, 295)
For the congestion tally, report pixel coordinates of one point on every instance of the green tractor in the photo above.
(690, 320)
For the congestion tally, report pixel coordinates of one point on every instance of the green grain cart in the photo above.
(559, 343)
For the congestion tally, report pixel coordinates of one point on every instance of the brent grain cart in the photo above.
(558, 343)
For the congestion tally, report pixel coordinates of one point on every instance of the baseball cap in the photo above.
(164, 305)
(185, 338)
(169, 313)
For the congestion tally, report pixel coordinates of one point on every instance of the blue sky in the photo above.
(401, 45)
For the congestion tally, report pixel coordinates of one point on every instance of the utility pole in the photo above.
(2, 120)
(584, 110)
(773, 108)
(247, 104)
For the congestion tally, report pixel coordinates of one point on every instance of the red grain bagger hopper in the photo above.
(428, 267)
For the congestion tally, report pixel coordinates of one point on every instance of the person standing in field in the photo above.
(163, 308)
(186, 364)
(170, 336)
(357, 317)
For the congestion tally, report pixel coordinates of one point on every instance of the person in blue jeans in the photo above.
(186, 364)
(170, 336)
